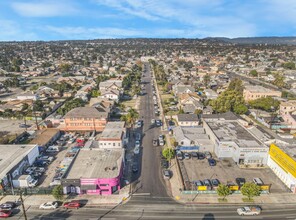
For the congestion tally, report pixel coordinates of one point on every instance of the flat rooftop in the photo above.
(233, 131)
(113, 130)
(260, 89)
(96, 163)
(11, 155)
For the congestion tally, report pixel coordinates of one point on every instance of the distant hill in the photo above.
(255, 40)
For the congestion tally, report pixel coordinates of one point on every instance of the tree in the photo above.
(253, 73)
(236, 85)
(250, 190)
(57, 192)
(197, 111)
(131, 117)
(206, 80)
(240, 109)
(168, 153)
(279, 80)
(95, 93)
(265, 103)
(289, 65)
(223, 191)
(228, 100)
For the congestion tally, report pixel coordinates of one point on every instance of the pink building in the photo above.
(95, 172)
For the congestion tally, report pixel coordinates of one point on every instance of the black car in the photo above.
(171, 123)
(164, 164)
(194, 155)
(215, 182)
(135, 168)
(201, 156)
(240, 181)
(8, 205)
(155, 142)
(212, 162)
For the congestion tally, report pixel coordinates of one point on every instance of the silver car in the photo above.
(249, 210)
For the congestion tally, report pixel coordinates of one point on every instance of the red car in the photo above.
(5, 213)
(74, 204)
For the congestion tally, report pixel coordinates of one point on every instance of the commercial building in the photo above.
(85, 119)
(95, 172)
(287, 107)
(232, 140)
(14, 159)
(46, 137)
(113, 136)
(282, 161)
(256, 92)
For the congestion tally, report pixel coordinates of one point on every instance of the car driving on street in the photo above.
(249, 210)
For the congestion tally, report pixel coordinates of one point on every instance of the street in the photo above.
(155, 208)
(149, 180)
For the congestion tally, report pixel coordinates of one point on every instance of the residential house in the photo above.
(181, 89)
(192, 136)
(28, 96)
(287, 107)
(210, 94)
(85, 119)
(187, 120)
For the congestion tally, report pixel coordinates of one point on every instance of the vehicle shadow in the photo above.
(208, 216)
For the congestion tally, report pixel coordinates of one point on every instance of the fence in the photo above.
(27, 191)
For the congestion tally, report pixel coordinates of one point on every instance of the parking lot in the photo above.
(226, 171)
(13, 126)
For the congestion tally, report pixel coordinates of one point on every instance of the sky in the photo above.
(22, 20)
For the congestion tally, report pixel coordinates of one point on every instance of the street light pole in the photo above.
(23, 206)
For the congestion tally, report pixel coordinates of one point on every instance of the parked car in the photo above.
(171, 123)
(138, 137)
(161, 142)
(212, 162)
(258, 181)
(198, 183)
(71, 140)
(74, 204)
(215, 182)
(161, 156)
(135, 167)
(180, 155)
(164, 164)
(5, 213)
(166, 174)
(137, 144)
(207, 182)
(158, 122)
(152, 121)
(187, 156)
(249, 210)
(161, 137)
(201, 156)
(139, 123)
(8, 206)
(208, 155)
(194, 155)
(155, 142)
(137, 150)
(240, 181)
(49, 205)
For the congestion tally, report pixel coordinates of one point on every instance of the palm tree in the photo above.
(131, 117)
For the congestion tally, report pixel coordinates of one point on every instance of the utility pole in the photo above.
(23, 206)
(36, 122)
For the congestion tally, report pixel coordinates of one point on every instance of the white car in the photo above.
(71, 140)
(49, 205)
(137, 144)
(136, 150)
(249, 210)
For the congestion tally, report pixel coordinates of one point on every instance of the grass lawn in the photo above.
(170, 113)
(130, 103)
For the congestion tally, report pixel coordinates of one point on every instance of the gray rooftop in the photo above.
(96, 163)
(113, 130)
(11, 155)
(187, 117)
(223, 116)
(86, 112)
(233, 131)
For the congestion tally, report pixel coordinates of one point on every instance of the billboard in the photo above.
(286, 162)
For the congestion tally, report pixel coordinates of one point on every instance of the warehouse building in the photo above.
(282, 161)
(14, 159)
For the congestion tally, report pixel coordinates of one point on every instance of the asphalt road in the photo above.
(144, 208)
(149, 180)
